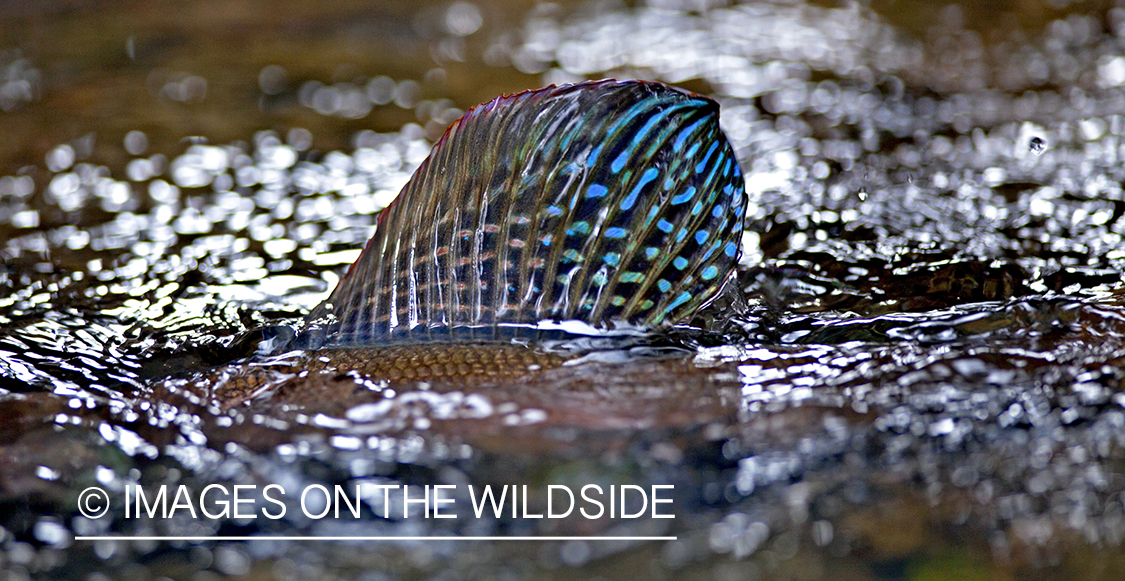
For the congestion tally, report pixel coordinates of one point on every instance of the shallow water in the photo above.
(919, 375)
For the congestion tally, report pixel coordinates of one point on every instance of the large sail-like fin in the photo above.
(603, 202)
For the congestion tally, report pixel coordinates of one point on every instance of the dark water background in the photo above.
(926, 383)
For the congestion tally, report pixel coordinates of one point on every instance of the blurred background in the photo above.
(223, 70)
(219, 70)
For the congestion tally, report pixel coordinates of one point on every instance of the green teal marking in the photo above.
(627, 153)
(663, 285)
(731, 249)
(579, 227)
(627, 118)
(617, 300)
(683, 197)
(632, 277)
(648, 176)
(612, 258)
(683, 298)
(701, 237)
(709, 273)
(616, 233)
(711, 176)
(679, 143)
(596, 191)
(697, 208)
(547, 240)
(571, 255)
(593, 157)
(711, 250)
(565, 141)
(664, 226)
(699, 167)
(554, 211)
(680, 262)
(651, 252)
(530, 179)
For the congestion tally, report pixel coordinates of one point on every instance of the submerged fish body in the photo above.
(609, 203)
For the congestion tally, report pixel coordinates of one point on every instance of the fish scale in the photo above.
(607, 202)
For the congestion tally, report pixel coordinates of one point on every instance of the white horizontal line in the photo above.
(367, 538)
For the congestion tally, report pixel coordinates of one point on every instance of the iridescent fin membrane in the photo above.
(603, 202)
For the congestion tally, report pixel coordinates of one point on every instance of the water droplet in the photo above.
(273, 79)
(299, 138)
(381, 90)
(463, 19)
(136, 142)
(60, 158)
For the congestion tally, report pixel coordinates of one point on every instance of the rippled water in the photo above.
(919, 376)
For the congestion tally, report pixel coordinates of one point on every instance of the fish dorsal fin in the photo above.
(603, 202)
